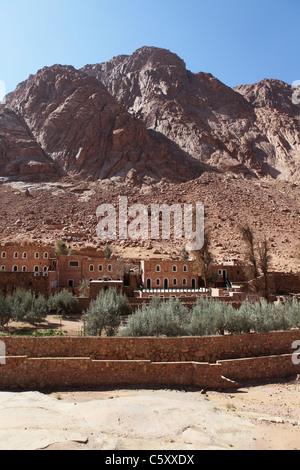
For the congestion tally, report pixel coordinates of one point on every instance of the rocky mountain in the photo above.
(147, 115)
(21, 157)
(85, 131)
(278, 118)
(229, 130)
(145, 127)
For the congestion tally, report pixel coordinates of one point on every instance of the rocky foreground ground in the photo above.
(261, 417)
(43, 213)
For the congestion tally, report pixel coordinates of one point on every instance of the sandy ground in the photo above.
(261, 417)
(71, 326)
(256, 417)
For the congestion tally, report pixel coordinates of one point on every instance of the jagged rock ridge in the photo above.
(85, 131)
(20, 155)
(219, 126)
(147, 115)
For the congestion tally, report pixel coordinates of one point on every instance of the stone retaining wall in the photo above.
(22, 373)
(200, 349)
(85, 363)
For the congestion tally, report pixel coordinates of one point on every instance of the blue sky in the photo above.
(238, 41)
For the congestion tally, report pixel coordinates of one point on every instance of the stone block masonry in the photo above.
(195, 349)
(89, 363)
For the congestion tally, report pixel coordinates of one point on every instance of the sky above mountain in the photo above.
(237, 41)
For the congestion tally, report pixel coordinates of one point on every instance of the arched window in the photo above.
(109, 268)
(158, 268)
(174, 282)
(24, 255)
(3, 254)
(36, 269)
(184, 282)
(158, 282)
(46, 255)
(24, 269)
(148, 283)
(37, 255)
(100, 267)
(193, 283)
(91, 268)
(16, 254)
(174, 268)
(185, 268)
(15, 269)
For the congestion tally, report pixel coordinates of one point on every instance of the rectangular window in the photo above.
(73, 264)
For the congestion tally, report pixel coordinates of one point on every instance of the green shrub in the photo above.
(293, 309)
(159, 318)
(104, 313)
(38, 310)
(211, 317)
(5, 311)
(84, 289)
(24, 305)
(63, 303)
(20, 302)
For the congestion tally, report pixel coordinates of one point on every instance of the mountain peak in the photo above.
(272, 94)
(146, 111)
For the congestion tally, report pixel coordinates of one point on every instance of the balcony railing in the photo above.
(175, 291)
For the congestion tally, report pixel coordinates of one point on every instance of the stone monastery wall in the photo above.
(211, 362)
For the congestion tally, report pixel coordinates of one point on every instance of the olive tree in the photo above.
(159, 318)
(24, 305)
(63, 302)
(5, 311)
(104, 313)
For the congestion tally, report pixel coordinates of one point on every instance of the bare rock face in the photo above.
(148, 114)
(85, 131)
(149, 129)
(21, 158)
(210, 122)
(278, 118)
